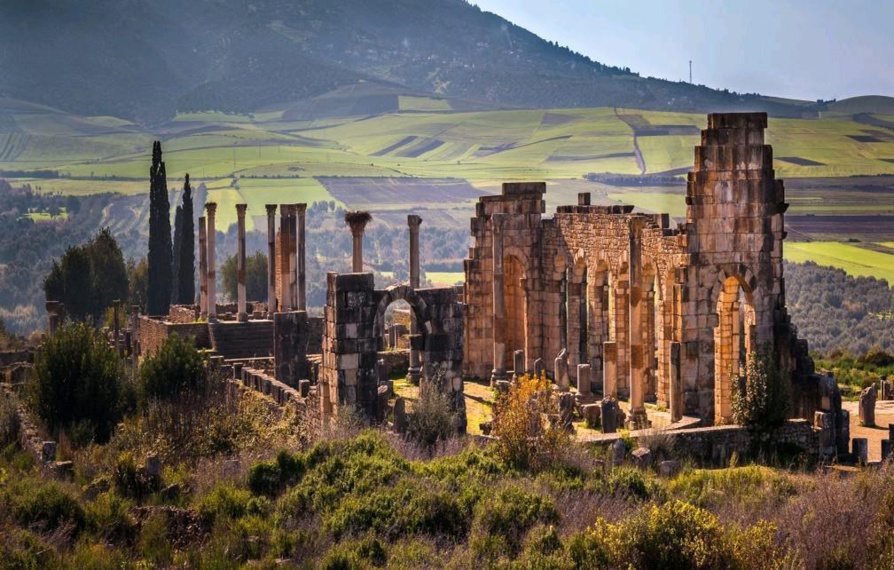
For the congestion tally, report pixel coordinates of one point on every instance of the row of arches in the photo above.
(594, 308)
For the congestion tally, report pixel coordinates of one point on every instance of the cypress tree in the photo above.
(160, 262)
(175, 267)
(186, 272)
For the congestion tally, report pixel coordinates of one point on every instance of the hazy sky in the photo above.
(805, 49)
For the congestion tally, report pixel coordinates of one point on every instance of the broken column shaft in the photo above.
(357, 221)
(285, 300)
(242, 315)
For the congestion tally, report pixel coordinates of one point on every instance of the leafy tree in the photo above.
(175, 264)
(255, 277)
(88, 278)
(762, 399)
(138, 281)
(177, 367)
(160, 262)
(186, 268)
(78, 383)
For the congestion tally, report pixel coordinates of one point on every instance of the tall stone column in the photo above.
(203, 269)
(242, 315)
(357, 221)
(285, 296)
(637, 419)
(271, 259)
(415, 369)
(499, 300)
(301, 213)
(210, 211)
(293, 255)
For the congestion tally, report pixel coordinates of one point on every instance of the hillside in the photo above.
(144, 60)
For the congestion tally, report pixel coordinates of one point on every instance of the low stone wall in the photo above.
(183, 314)
(717, 444)
(396, 361)
(307, 407)
(153, 332)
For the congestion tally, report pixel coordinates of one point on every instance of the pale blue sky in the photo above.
(805, 49)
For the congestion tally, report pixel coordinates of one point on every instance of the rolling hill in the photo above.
(145, 60)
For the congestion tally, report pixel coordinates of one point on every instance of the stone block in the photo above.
(611, 415)
(668, 468)
(860, 449)
(400, 415)
(48, 451)
(584, 379)
(619, 451)
(592, 414)
(886, 450)
(641, 457)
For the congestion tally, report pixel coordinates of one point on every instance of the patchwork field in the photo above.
(856, 260)
(407, 153)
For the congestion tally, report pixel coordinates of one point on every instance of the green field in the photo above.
(855, 260)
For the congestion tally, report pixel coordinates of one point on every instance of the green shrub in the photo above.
(131, 480)
(177, 367)
(155, 541)
(588, 550)
(432, 420)
(502, 518)
(20, 548)
(230, 502)
(763, 400)
(630, 482)
(109, 519)
(271, 477)
(46, 506)
(78, 381)
(10, 425)
(351, 555)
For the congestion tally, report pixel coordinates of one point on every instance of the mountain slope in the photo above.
(146, 59)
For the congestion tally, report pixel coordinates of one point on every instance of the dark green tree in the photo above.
(175, 266)
(138, 280)
(186, 281)
(78, 383)
(176, 368)
(160, 249)
(89, 278)
(255, 277)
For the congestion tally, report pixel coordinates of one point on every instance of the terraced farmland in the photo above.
(855, 260)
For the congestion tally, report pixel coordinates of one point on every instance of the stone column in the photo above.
(53, 314)
(293, 255)
(676, 384)
(499, 324)
(210, 210)
(285, 295)
(357, 221)
(242, 315)
(415, 369)
(610, 369)
(203, 269)
(271, 259)
(637, 419)
(301, 213)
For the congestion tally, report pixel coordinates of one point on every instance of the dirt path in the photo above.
(884, 415)
(640, 163)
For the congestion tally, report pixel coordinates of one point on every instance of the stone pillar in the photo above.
(53, 316)
(518, 362)
(675, 397)
(637, 418)
(415, 369)
(284, 241)
(583, 379)
(293, 254)
(300, 245)
(242, 315)
(271, 259)
(203, 269)
(357, 221)
(610, 369)
(210, 210)
(499, 324)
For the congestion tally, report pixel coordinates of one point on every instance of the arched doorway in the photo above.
(516, 313)
(733, 343)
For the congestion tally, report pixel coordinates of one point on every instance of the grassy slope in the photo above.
(855, 260)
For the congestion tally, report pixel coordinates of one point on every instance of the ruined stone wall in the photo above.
(153, 332)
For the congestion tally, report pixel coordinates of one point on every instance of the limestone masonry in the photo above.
(623, 304)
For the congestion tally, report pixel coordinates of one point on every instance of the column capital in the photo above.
(271, 209)
(300, 208)
(240, 210)
(211, 208)
(413, 221)
(357, 222)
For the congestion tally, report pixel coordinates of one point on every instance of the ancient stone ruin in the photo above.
(621, 304)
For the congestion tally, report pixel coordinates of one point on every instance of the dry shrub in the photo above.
(526, 438)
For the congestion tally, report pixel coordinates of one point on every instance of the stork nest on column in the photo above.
(358, 217)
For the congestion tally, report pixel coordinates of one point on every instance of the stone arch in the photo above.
(734, 338)
(417, 305)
